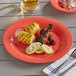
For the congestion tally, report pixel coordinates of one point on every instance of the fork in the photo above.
(66, 65)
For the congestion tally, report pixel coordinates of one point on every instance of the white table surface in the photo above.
(9, 66)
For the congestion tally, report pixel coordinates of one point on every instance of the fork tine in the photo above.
(74, 53)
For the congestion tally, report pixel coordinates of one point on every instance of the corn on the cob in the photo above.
(25, 37)
(33, 28)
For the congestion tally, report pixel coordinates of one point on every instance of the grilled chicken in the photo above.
(46, 35)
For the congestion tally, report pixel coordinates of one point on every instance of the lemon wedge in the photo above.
(34, 48)
(47, 49)
(38, 45)
(39, 51)
(31, 49)
(38, 48)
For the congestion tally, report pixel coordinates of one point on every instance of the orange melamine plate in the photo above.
(56, 4)
(60, 33)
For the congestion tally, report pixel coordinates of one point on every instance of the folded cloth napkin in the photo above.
(48, 70)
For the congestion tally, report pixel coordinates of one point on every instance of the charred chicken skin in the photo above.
(46, 35)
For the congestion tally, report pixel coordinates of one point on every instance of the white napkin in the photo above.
(48, 70)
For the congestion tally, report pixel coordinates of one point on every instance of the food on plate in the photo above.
(47, 49)
(38, 48)
(17, 32)
(33, 28)
(46, 35)
(68, 4)
(40, 51)
(31, 49)
(26, 37)
(51, 41)
(38, 45)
